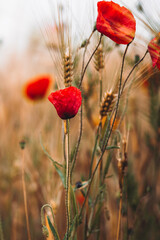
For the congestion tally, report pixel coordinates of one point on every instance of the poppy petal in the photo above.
(154, 50)
(66, 101)
(37, 87)
(115, 22)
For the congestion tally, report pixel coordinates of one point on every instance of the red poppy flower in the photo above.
(154, 50)
(37, 87)
(115, 22)
(66, 101)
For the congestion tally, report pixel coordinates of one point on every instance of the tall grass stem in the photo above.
(25, 197)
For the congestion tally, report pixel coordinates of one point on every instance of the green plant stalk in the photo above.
(110, 131)
(85, 50)
(81, 109)
(117, 104)
(68, 179)
(132, 71)
(100, 98)
(126, 104)
(101, 164)
(85, 68)
(79, 139)
(94, 150)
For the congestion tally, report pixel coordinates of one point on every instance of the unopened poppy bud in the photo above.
(45, 231)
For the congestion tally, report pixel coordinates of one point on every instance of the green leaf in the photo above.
(73, 200)
(55, 164)
(112, 147)
(109, 159)
(73, 153)
(47, 154)
(109, 176)
(54, 231)
(96, 218)
(105, 132)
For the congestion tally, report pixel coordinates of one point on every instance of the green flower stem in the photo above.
(110, 131)
(85, 50)
(79, 139)
(132, 71)
(126, 104)
(101, 163)
(81, 109)
(68, 179)
(94, 151)
(85, 68)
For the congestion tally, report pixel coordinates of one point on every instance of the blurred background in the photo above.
(29, 48)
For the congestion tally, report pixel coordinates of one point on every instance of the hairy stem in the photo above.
(132, 71)
(81, 109)
(94, 150)
(85, 50)
(68, 179)
(85, 68)
(110, 131)
(79, 140)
